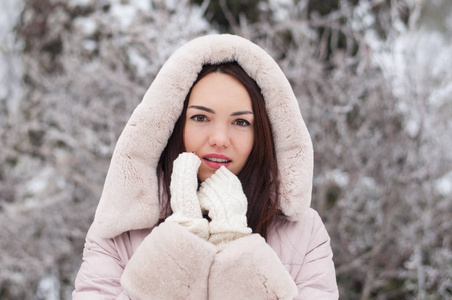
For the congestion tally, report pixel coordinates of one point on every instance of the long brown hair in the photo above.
(259, 175)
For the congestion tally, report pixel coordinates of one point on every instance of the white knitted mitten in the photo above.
(184, 200)
(222, 196)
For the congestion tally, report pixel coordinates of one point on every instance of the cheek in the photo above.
(246, 145)
(187, 140)
(190, 139)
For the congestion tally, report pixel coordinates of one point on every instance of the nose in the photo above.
(219, 137)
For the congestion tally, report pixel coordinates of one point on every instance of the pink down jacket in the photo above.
(169, 262)
(130, 253)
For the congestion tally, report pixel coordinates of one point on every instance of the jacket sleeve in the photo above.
(248, 268)
(170, 263)
(101, 270)
(316, 276)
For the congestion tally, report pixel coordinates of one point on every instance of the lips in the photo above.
(216, 161)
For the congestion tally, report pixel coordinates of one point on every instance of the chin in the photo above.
(202, 177)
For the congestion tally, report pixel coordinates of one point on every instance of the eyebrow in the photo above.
(237, 113)
(202, 108)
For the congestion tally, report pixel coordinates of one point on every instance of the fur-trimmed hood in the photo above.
(130, 198)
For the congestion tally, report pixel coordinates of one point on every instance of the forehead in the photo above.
(220, 89)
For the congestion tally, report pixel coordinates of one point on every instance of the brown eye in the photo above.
(199, 118)
(242, 122)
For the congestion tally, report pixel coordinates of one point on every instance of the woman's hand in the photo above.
(184, 200)
(222, 196)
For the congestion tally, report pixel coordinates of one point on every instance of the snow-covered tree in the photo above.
(373, 79)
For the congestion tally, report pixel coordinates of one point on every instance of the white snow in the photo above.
(144, 5)
(124, 14)
(336, 176)
(443, 185)
(171, 4)
(48, 288)
(362, 18)
(87, 26)
(10, 64)
(39, 183)
(279, 8)
(139, 62)
(80, 2)
(417, 64)
(89, 45)
(412, 127)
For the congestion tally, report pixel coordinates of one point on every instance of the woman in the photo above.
(208, 191)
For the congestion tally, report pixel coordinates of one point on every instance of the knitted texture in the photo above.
(184, 201)
(222, 196)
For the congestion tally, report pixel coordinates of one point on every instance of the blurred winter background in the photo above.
(374, 82)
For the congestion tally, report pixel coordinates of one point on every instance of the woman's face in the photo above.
(219, 124)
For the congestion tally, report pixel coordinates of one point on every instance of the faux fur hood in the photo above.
(130, 198)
